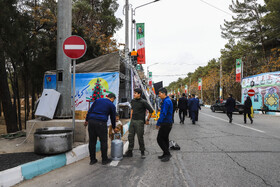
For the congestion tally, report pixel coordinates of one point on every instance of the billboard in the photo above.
(267, 90)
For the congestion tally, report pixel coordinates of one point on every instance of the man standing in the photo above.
(164, 124)
(137, 117)
(182, 105)
(193, 108)
(230, 105)
(174, 102)
(96, 120)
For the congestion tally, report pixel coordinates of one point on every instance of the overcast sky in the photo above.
(180, 35)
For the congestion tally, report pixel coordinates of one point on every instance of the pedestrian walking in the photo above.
(174, 102)
(193, 108)
(164, 124)
(96, 120)
(189, 97)
(247, 109)
(182, 105)
(137, 121)
(230, 105)
(197, 112)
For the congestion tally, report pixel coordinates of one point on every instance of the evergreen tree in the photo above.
(247, 24)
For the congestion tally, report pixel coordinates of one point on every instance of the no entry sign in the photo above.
(74, 47)
(251, 92)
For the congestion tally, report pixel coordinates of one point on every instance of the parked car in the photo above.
(221, 107)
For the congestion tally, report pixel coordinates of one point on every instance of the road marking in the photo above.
(74, 47)
(234, 123)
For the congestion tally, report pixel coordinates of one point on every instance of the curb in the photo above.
(268, 113)
(30, 170)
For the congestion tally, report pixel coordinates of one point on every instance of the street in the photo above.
(213, 153)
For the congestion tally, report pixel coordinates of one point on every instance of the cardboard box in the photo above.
(80, 114)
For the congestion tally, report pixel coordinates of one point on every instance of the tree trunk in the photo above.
(8, 110)
(18, 103)
(33, 101)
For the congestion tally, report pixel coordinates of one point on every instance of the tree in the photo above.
(247, 25)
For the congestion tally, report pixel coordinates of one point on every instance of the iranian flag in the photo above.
(186, 88)
(238, 70)
(199, 83)
(140, 36)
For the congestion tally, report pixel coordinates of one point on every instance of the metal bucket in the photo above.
(53, 140)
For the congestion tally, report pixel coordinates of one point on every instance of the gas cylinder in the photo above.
(117, 148)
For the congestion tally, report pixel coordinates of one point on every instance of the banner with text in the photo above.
(140, 43)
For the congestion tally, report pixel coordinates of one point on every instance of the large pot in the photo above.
(53, 140)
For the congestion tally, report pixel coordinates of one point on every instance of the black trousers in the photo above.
(196, 115)
(193, 116)
(182, 112)
(249, 115)
(163, 137)
(229, 114)
(98, 129)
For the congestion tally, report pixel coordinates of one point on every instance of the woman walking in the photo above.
(247, 109)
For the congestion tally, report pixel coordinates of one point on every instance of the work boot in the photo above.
(161, 157)
(166, 158)
(128, 154)
(143, 155)
(104, 162)
(93, 162)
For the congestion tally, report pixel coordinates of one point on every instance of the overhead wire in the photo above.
(216, 7)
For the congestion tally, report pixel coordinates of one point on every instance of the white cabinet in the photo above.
(47, 104)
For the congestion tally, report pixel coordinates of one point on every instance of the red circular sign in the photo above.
(74, 47)
(251, 92)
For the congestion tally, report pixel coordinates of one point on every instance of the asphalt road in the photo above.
(213, 153)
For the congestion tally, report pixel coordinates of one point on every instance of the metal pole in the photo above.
(74, 93)
(131, 29)
(126, 49)
(221, 88)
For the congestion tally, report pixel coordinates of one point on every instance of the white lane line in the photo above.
(74, 47)
(233, 123)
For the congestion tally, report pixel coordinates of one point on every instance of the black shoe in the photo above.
(252, 122)
(230, 120)
(161, 157)
(128, 154)
(182, 122)
(93, 162)
(143, 155)
(166, 158)
(193, 123)
(104, 162)
(245, 122)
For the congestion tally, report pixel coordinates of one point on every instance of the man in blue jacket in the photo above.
(96, 120)
(193, 107)
(164, 124)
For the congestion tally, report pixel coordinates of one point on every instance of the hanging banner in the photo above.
(238, 70)
(199, 83)
(186, 88)
(140, 44)
(89, 87)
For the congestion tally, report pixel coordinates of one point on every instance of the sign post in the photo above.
(74, 47)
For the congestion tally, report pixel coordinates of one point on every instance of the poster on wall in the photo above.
(267, 90)
(92, 86)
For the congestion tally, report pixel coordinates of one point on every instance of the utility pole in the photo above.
(221, 75)
(63, 63)
(126, 50)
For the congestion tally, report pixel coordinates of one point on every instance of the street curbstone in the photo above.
(42, 166)
(11, 177)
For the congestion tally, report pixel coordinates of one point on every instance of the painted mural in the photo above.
(89, 87)
(267, 90)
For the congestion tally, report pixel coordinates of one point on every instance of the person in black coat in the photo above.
(182, 105)
(247, 109)
(174, 102)
(230, 105)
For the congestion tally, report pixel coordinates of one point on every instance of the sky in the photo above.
(180, 35)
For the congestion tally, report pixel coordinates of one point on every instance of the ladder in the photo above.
(141, 85)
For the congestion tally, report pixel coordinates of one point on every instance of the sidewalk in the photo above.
(44, 165)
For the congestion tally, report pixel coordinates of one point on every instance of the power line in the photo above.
(174, 75)
(215, 7)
